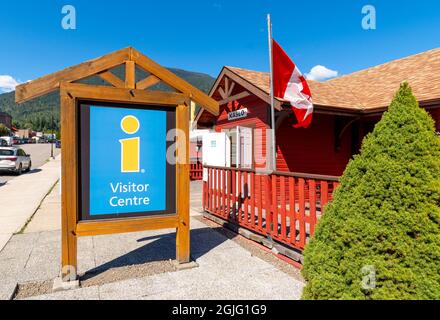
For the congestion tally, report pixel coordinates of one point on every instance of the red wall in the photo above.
(435, 114)
(312, 150)
(257, 118)
(6, 120)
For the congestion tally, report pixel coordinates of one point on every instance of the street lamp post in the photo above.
(51, 140)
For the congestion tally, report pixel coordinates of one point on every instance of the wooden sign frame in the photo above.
(71, 94)
(131, 93)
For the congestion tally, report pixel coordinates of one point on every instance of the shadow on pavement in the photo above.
(13, 174)
(34, 171)
(162, 248)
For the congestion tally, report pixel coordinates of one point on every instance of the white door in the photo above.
(216, 150)
(244, 148)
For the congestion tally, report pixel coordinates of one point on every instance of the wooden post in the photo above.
(68, 188)
(130, 75)
(182, 194)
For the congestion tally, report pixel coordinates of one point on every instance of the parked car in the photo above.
(3, 143)
(9, 140)
(14, 160)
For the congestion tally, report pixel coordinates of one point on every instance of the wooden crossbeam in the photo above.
(222, 93)
(112, 79)
(147, 82)
(131, 57)
(231, 88)
(235, 97)
(131, 225)
(227, 91)
(102, 93)
(177, 83)
(49, 83)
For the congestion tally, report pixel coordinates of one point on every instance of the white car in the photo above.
(14, 160)
(9, 140)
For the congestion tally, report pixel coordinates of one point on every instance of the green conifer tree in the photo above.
(380, 237)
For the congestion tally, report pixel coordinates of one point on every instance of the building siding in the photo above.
(321, 149)
(312, 150)
(6, 120)
(256, 118)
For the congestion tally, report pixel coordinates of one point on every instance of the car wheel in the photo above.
(19, 170)
(29, 168)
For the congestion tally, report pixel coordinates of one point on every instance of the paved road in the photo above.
(40, 153)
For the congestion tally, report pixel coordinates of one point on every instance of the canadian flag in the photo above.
(289, 84)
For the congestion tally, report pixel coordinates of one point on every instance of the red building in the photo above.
(346, 109)
(6, 119)
(282, 208)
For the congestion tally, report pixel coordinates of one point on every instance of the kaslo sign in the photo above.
(238, 114)
(125, 150)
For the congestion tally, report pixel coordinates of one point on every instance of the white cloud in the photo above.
(7, 83)
(321, 73)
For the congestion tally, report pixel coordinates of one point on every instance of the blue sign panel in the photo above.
(127, 161)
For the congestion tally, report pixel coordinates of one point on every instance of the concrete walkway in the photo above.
(140, 265)
(21, 197)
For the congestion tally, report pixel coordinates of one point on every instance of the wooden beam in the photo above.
(147, 82)
(227, 91)
(238, 96)
(102, 93)
(130, 75)
(222, 93)
(231, 88)
(252, 88)
(52, 82)
(69, 187)
(124, 226)
(174, 81)
(182, 185)
(110, 78)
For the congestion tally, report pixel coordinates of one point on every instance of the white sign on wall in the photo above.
(216, 149)
(238, 114)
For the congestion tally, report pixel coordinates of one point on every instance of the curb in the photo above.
(29, 213)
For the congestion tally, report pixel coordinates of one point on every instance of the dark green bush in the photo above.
(385, 217)
(4, 131)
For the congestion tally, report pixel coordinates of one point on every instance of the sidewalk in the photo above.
(21, 197)
(140, 265)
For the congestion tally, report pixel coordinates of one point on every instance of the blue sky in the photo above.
(205, 35)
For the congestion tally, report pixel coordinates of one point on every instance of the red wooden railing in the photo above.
(196, 171)
(284, 206)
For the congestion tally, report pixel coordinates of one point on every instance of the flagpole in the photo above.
(272, 98)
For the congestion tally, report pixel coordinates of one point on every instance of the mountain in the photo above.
(37, 113)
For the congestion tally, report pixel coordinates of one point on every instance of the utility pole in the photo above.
(272, 97)
(51, 140)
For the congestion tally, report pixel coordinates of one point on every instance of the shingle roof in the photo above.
(371, 88)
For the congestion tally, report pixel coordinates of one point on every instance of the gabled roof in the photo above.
(375, 87)
(102, 66)
(253, 81)
(370, 89)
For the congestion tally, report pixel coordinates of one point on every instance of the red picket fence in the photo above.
(285, 206)
(196, 171)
